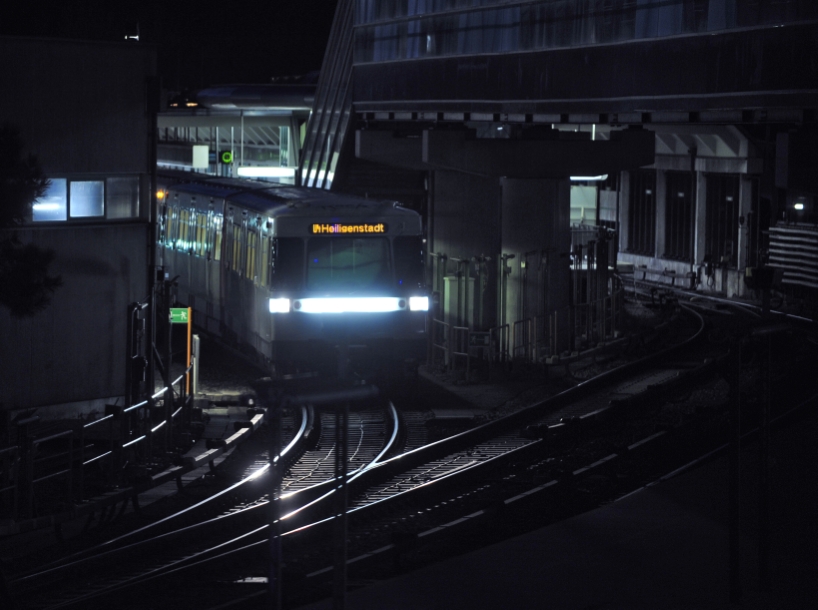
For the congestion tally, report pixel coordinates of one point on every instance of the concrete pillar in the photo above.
(466, 218)
(624, 209)
(661, 212)
(700, 221)
(745, 196)
(536, 229)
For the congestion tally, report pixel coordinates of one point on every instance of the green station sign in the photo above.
(179, 315)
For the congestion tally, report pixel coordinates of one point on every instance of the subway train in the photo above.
(296, 276)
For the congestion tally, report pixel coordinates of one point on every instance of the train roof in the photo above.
(271, 198)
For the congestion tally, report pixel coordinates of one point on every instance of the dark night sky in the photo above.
(199, 43)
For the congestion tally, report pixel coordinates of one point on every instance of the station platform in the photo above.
(663, 546)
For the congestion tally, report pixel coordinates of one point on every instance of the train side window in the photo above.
(218, 222)
(170, 234)
(184, 230)
(201, 234)
(229, 237)
(264, 268)
(162, 224)
(287, 269)
(252, 249)
(408, 252)
(238, 239)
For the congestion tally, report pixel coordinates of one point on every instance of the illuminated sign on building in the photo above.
(347, 229)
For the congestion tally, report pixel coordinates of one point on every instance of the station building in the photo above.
(531, 132)
(84, 108)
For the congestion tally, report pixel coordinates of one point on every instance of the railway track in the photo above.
(556, 440)
(144, 552)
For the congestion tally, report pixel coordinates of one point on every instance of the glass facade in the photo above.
(389, 30)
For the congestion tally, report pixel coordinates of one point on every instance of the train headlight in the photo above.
(279, 305)
(419, 303)
(348, 305)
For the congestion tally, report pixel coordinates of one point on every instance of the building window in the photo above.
(122, 197)
(87, 198)
(583, 205)
(642, 213)
(54, 204)
(115, 197)
(678, 215)
(721, 230)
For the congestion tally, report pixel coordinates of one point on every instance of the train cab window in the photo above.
(287, 268)
(348, 263)
(409, 261)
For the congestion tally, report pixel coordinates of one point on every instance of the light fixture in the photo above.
(589, 178)
(266, 172)
(419, 303)
(280, 305)
(349, 304)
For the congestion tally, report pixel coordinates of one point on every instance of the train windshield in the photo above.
(348, 263)
(287, 265)
(409, 261)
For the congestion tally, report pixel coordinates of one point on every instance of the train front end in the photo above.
(348, 285)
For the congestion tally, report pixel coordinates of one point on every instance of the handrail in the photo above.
(22, 478)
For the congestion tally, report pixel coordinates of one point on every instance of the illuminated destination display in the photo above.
(347, 229)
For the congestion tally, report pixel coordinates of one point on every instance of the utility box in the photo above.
(458, 300)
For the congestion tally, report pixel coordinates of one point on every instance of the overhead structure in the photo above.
(252, 131)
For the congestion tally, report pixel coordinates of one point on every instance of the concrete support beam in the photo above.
(387, 148)
(537, 159)
(564, 154)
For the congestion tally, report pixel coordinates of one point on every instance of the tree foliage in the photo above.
(26, 287)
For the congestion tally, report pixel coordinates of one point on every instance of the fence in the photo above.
(593, 315)
(131, 436)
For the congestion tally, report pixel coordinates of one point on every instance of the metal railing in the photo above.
(26, 480)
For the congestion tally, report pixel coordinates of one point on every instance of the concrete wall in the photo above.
(82, 107)
(75, 349)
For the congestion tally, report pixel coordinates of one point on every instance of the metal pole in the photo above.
(189, 344)
(764, 475)
(168, 401)
(735, 471)
(196, 352)
(341, 445)
(274, 578)
(341, 466)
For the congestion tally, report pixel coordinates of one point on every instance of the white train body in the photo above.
(291, 273)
